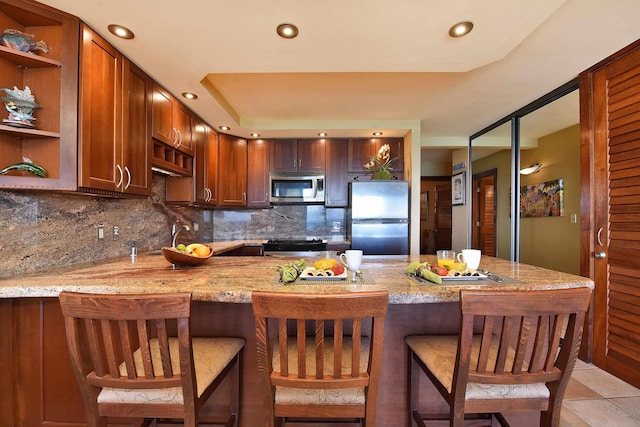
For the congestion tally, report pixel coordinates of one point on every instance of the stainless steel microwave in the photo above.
(292, 187)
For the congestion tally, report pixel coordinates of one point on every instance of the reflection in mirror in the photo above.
(549, 225)
(490, 203)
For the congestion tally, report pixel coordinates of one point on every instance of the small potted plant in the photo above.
(381, 163)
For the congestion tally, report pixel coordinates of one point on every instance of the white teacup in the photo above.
(471, 257)
(352, 259)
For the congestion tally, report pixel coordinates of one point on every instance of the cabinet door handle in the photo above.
(174, 136)
(244, 196)
(179, 134)
(126, 169)
(209, 195)
(121, 176)
(599, 236)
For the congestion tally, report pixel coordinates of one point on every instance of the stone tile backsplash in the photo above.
(45, 229)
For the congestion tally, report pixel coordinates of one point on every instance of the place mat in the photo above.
(364, 278)
(491, 279)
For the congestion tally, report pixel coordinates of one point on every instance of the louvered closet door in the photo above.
(616, 108)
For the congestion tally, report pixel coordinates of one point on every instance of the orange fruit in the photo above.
(201, 251)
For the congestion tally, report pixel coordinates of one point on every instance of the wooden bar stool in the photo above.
(133, 356)
(521, 360)
(327, 368)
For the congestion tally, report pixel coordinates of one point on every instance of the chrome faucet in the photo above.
(175, 229)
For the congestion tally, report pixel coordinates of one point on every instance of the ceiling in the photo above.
(363, 65)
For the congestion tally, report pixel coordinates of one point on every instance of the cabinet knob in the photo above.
(600, 255)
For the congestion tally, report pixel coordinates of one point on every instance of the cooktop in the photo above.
(295, 245)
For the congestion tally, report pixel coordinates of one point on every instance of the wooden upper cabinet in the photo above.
(283, 155)
(336, 177)
(212, 149)
(297, 155)
(137, 92)
(311, 155)
(183, 121)
(232, 166)
(171, 121)
(258, 173)
(362, 149)
(163, 106)
(114, 133)
(53, 80)
(201, 188)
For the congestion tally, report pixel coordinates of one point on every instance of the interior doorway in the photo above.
(483, 211)
(435, 214)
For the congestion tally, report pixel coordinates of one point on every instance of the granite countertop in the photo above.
(233, 278)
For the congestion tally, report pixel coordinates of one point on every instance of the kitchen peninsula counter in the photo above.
(232, 279)
(36, 361)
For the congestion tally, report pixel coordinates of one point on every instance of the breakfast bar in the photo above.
(221, 290)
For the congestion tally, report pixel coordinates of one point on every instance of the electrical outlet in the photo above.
(116, 232)
(196, 226)
(100, 229)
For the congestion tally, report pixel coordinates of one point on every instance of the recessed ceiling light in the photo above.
(224, 128)
(461, 29)
(120, 31)
(322, 134)
(255, 135)
(287, 31)
(189, 95)
(377, 134)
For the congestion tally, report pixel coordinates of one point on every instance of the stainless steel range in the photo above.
(292, 247)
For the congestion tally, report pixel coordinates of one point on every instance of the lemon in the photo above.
(201, 251)
(190, 248)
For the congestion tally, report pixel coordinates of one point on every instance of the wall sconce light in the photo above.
(531, 169)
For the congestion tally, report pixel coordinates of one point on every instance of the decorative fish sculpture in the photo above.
(23, 42)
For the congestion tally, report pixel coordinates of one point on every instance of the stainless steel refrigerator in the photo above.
(378, 217)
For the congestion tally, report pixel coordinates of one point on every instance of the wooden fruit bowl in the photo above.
(177, 257)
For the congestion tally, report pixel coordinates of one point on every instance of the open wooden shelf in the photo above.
(28, 133)
(27, 60)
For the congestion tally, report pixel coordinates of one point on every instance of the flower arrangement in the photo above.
(381, 163)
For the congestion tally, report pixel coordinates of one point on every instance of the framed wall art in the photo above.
(458, 189)
(544, 199)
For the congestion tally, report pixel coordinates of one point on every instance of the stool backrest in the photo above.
(309, 331)
(111, 340)
(527, 337)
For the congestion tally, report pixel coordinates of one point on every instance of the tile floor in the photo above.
(596, 398)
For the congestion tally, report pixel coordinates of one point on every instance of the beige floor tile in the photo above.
(604, 383)
(601, 413)
(580, 364)
(569, 419)
(577, 390)
(630, 404)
